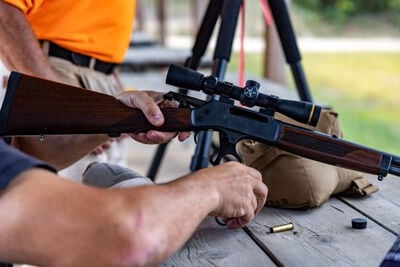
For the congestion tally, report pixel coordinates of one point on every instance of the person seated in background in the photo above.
(81, 43)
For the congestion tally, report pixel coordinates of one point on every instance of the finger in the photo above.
(169, 104)
(242, 221)
(232, 223)
(235, 223)
(145, 103)
(254, 203)
(226, 219)
(260, 205)
(182, 136)
(106, 145)
(120, 138)
(150, 109)
(153, 137)
(97, 151)
(254, 173)
(141, 137)
(158, 97)
(261, 193)
(160, 137)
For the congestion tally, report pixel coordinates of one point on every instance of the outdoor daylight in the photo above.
(200, 133)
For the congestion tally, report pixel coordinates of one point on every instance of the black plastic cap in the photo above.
(359, 223)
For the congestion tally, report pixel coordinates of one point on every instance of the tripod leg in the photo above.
(204, 34)
(223, 48)
(289, 45)
(200, 45)
(222, 53)
(156, 162)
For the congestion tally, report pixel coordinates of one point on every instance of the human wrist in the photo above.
(208, 189)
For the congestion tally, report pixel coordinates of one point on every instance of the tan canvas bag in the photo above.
(297, 182)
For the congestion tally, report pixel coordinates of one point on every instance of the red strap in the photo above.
(266, 12)
(241, 49)
(268, 20)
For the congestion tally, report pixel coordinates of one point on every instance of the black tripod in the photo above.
(228, 12)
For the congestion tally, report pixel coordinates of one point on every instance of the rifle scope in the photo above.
(249, 95)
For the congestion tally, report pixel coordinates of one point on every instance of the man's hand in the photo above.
(149, 102)
(241, 192)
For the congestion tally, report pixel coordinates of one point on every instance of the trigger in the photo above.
(196, 137)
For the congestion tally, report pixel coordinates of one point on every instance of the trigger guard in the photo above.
(237, 157)
(225, 148)
(222, 155)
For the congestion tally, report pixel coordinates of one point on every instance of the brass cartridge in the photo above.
(281, 228)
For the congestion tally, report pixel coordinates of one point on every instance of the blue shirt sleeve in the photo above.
(14, 162)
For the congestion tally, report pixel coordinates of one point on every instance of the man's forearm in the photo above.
(125, 227)
(48, 221)
(19, 47)
(169, 215)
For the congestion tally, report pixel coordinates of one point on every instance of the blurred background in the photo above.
(350, 54)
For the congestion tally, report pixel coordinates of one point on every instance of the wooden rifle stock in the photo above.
(34, 106)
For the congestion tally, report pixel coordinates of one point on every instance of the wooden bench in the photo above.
(321, 236)
(156, 57)
(145, 54)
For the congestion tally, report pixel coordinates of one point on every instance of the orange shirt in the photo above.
(98, 28)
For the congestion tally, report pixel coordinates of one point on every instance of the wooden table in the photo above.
(321, 237)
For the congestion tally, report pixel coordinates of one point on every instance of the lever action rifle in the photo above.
(34, 106)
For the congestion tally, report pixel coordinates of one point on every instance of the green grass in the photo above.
(364, 88)
(332, 22)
